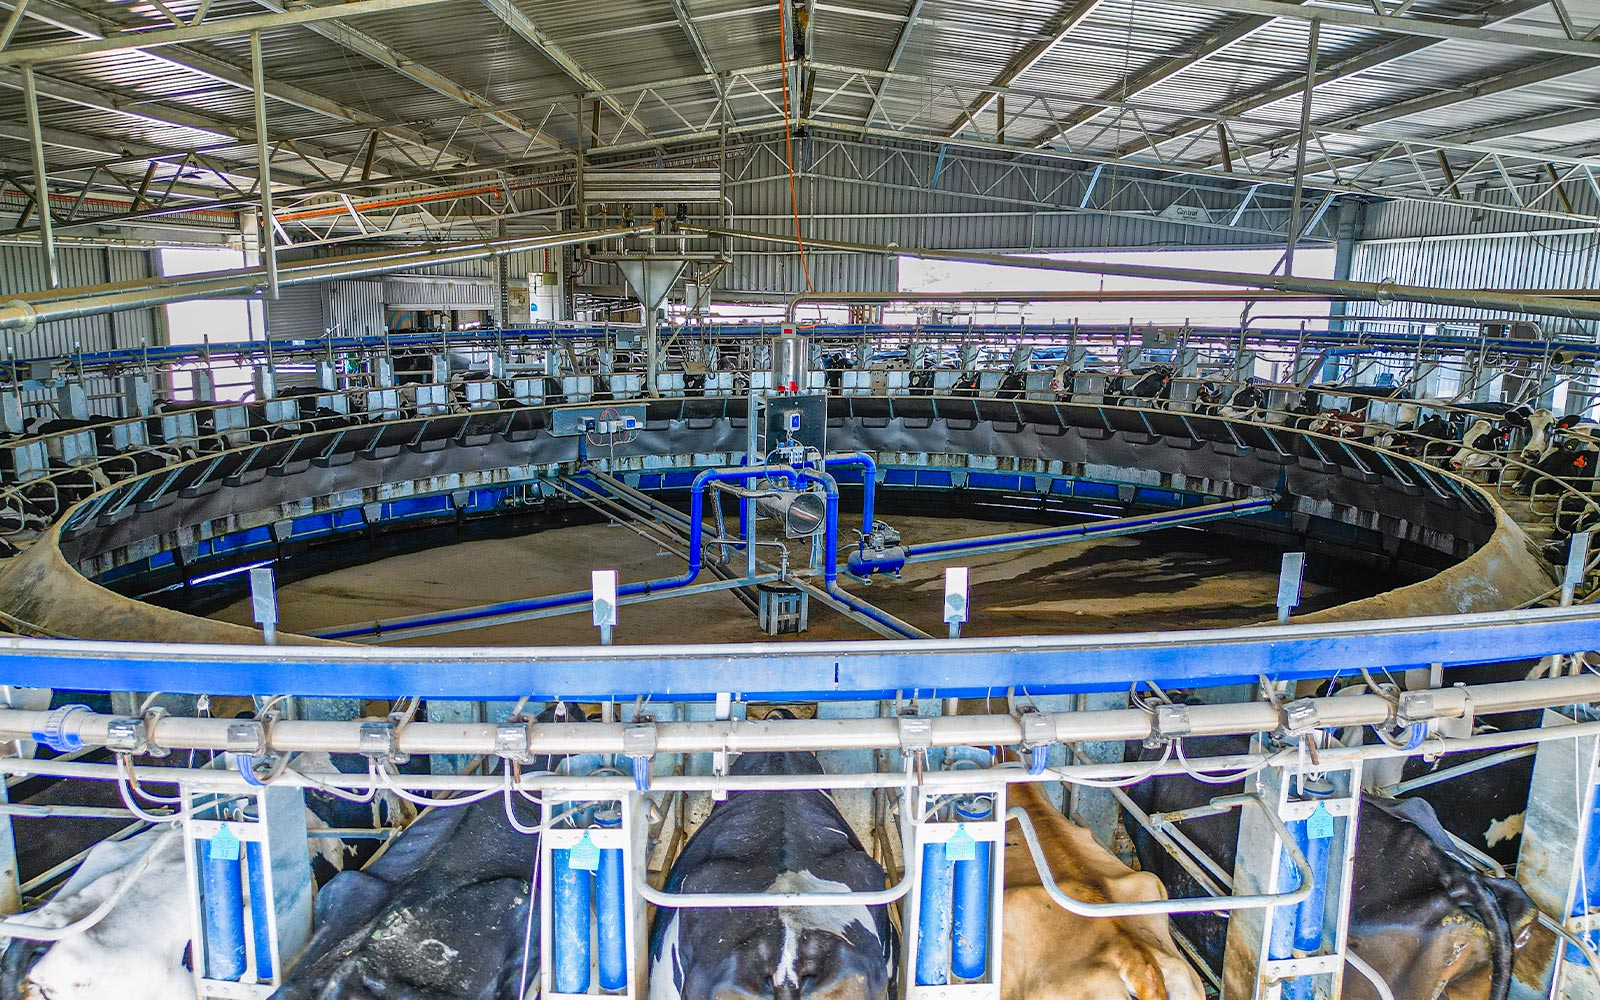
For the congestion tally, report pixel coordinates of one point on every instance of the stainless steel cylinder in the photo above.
(789, 362)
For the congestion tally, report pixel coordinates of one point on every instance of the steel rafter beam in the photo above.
(1291, 84)
(1230, 33)
(228, 27)
(513, 17)
(70, 18)
(1415, 26)
(895, 55)
(1026, 188)
(315, 160)
(1340, 184)
(1030, 57)
(385, 55)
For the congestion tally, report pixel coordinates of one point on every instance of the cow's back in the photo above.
(1050, 953)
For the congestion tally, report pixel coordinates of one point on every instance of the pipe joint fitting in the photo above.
(379, 741)
(513, 742)
(126, 735)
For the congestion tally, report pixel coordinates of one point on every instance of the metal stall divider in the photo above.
(249, 886)
(953, 912)
(1559, 861)
(591, 912)
(1294, 952)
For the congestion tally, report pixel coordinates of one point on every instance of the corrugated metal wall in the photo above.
(1537, 262)
(298, 311)
(22, 269)
(355, 308)
(467, 293)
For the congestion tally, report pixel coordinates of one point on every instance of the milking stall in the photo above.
(827, 499)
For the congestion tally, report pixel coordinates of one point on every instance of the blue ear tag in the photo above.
(1319, 825)
(584, 856)
(961, 846)
(224, 846)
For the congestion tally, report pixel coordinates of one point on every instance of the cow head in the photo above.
(1538, 423)
(1469, 455)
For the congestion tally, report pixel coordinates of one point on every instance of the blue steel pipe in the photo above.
(611, 914)
(1588, 902)
(932, 549)
(696, 553)
(573, 932)
(933, 917)
(222, 906)
(970, 919)
(869, 483)
(830, 558)
(260, 909)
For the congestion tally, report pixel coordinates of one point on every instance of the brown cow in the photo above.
(1050, 954)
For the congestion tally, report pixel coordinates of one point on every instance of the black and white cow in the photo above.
(136, 950)
(788, 841)
(442, 914)
(1421, 915)
(1567, 450)
(1150, 387)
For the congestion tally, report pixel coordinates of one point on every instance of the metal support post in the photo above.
(41, 184)
(1557, 863)
(249, 886)
(269, 236)
(1294, 951)
(1296, 210)
(591, 913)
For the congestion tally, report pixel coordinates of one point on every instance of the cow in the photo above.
(1479, 443)
(1247, 402)
(1152, 384)
(1564, 450)
(442, 914)
(1050, 954)
(117, 957)
(1421, 915)
(778, 841)
(135, 950)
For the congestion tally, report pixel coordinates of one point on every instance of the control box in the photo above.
(794, 425)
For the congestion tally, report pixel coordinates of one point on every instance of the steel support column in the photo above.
(41, 185)
(258, 92)
(1296, 210)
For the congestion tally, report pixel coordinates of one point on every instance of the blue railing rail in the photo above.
(968, 667)
(1031, 334)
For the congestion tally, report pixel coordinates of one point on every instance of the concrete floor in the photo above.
(1170, 580)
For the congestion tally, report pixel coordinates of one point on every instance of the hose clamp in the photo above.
(513, 741)
(1296, 718)
(53, 733)
(639, 746)
(1038, 735)
(1167, 723)
(126, 735)
(380, 741)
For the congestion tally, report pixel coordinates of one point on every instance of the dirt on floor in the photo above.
(1167, 580)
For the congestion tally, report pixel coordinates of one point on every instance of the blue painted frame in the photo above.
(835, 670)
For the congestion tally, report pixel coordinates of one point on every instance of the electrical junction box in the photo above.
(795, 424)
(571, 421)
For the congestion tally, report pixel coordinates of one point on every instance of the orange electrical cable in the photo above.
(788, 145)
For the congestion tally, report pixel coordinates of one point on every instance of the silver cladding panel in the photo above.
(1511, 262)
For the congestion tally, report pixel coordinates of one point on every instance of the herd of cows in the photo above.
(448, 910)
